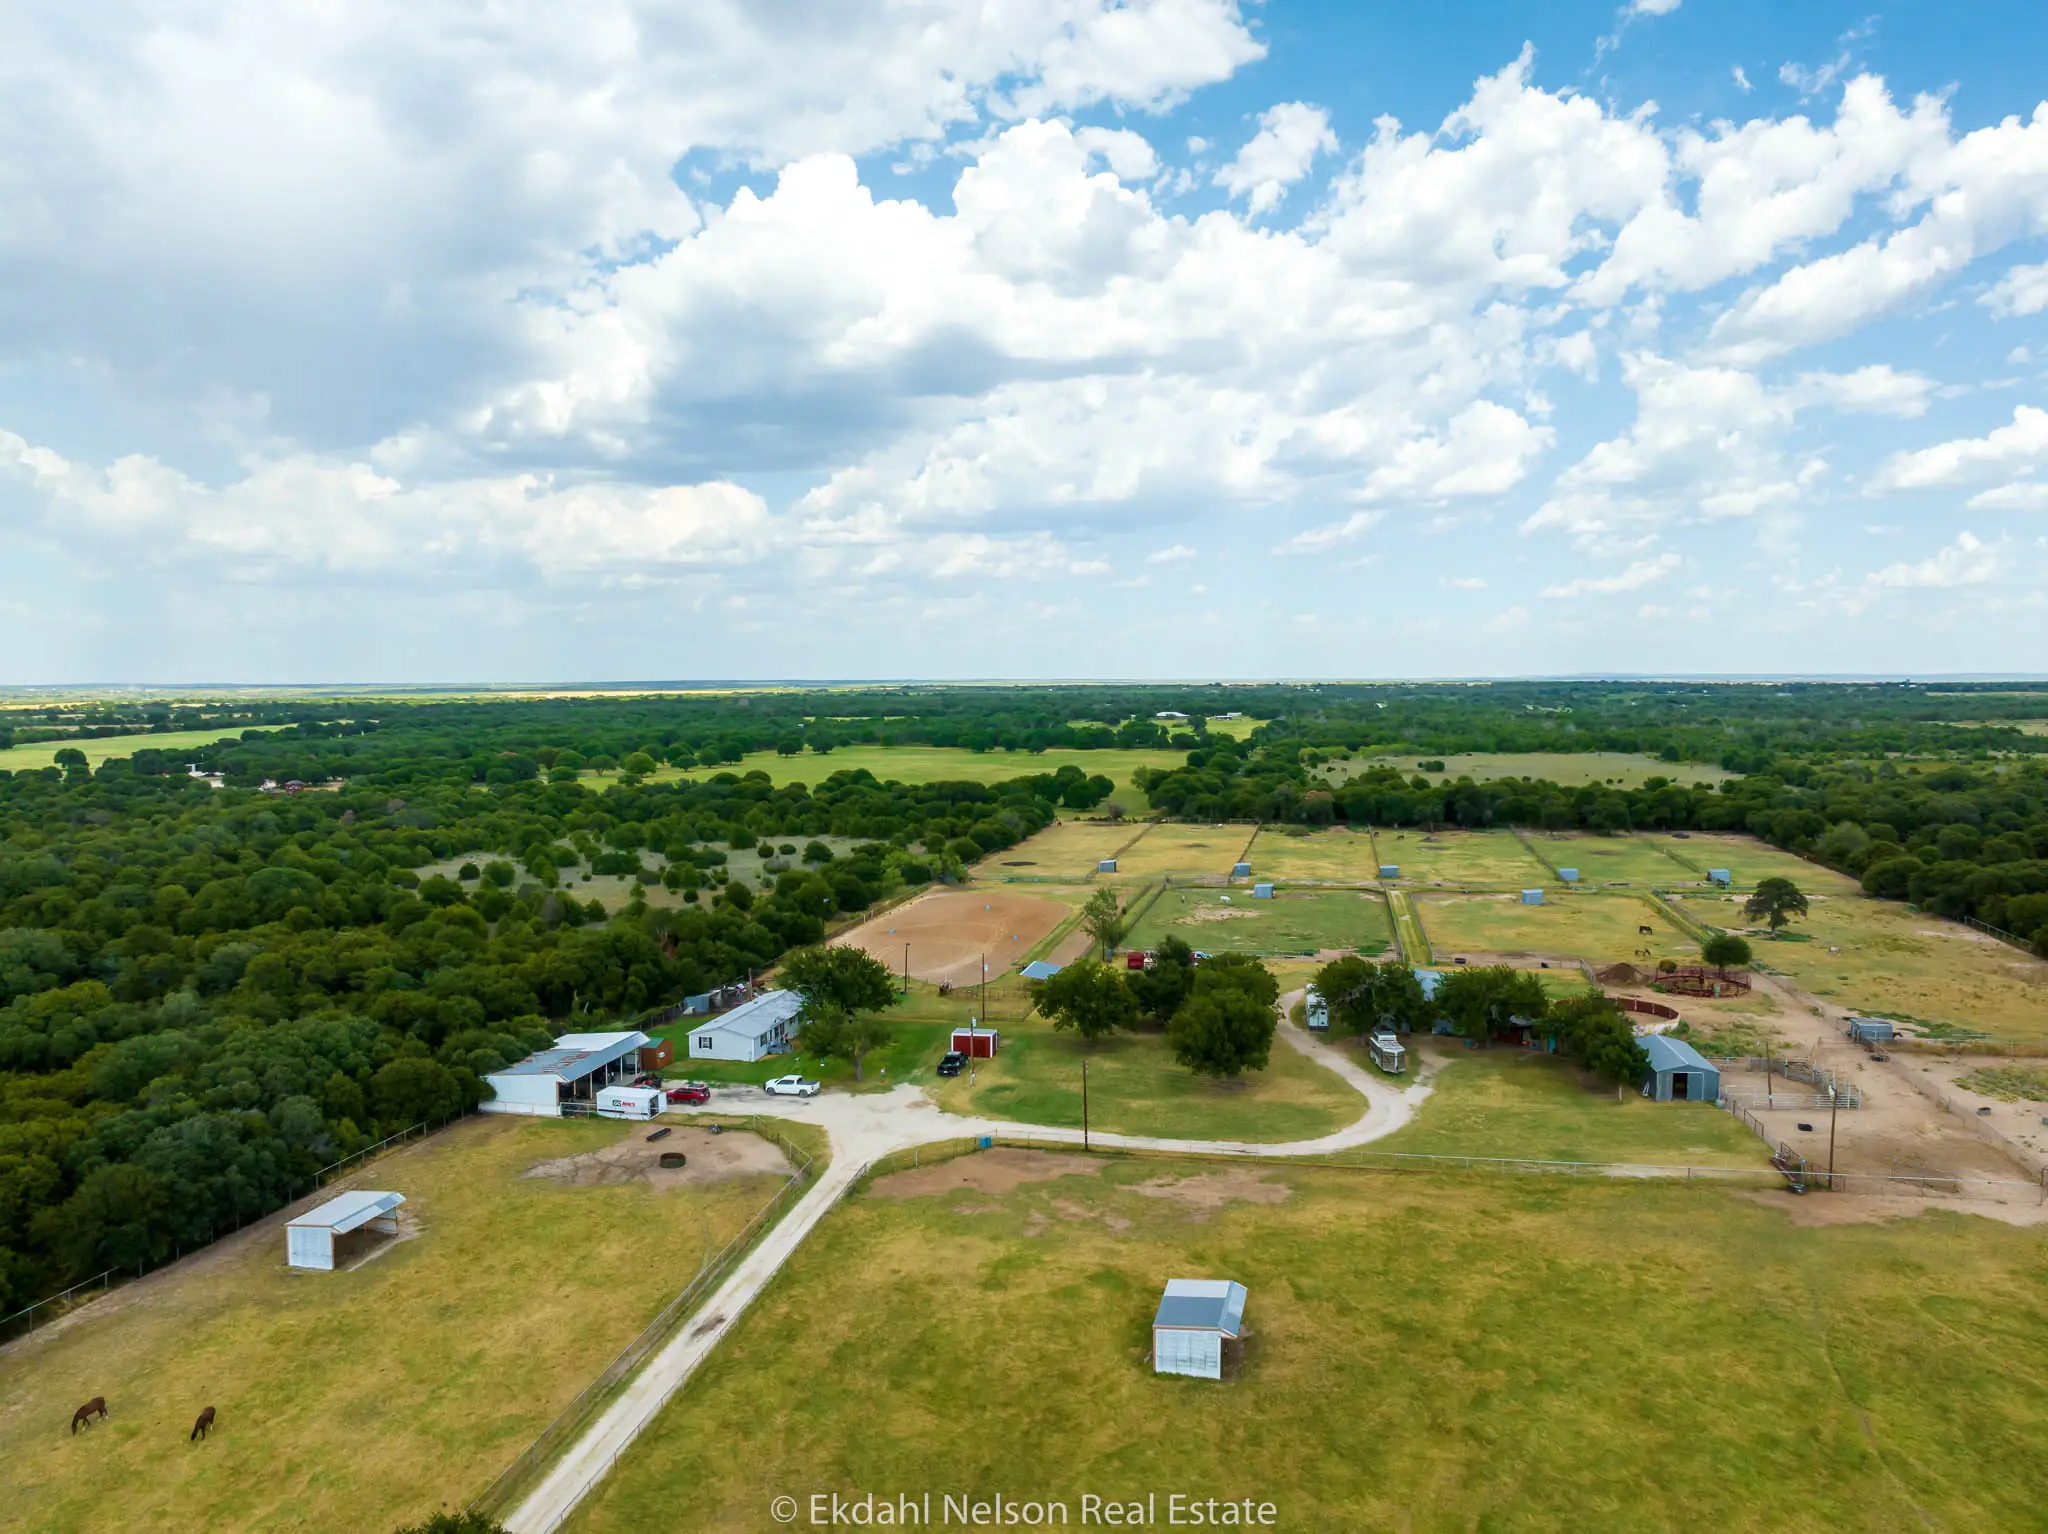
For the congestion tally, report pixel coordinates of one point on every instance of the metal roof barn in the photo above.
(1196, 1316)
(1678, 1072)
(309, 1240)
(575, 1070)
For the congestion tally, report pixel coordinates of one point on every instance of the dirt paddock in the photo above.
(711, 1158)
(950, 931)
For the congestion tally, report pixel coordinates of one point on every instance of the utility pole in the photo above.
(1084, 1105)
(906, 969)
(1834, 1107)
(984, 990)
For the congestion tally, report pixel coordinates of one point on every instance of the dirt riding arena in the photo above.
(951, 931)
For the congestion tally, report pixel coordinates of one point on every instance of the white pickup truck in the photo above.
(792, 1086)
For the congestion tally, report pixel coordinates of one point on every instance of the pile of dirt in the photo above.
(1622, 974)
(991, 1171)
(711, 1158)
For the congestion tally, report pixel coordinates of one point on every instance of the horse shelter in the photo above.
(312, 1240)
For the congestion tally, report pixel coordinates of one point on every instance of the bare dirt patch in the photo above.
(991, 1171)
(1214, 913)
(1211, 1191)
(711, 1158)
(949, 932)
(1813, 1210)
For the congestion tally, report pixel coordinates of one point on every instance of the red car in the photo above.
(690, 1092)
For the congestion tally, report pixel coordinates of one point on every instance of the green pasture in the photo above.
(1622, 859)
(1477, 859)
(1877, 956)
(1136, 1087)
(1567, 769)
(1336, 856)
(44, 752)
(1603, 928)
(1748, 860)
(947, 764)
(1183, 850)
(360, 1399)
(1424, 1353)
(1071, 849)
(1293, 921)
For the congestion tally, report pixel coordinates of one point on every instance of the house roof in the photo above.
(1668, 1054)
(1203, 1305)
(1431, 979)
(751, 1017)
(349, 1210)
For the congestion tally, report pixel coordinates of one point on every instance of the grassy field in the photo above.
(1514, 1102)
(44, 753)
(1069, 850)
(1338, 856)
(1294, 921)
(1903, 964)
(356, 1400)
(1602, 928)
(1425, 1353)
(1414, 944)
(1135, 1087)
(947, 764)
(1747, 860)
(1567, 769)
(1613, 859)
(1484, 859)
(1184, 851)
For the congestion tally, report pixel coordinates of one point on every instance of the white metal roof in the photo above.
(750, 1017)
(1202, 1304)
(575, 1055)
(349, 1210)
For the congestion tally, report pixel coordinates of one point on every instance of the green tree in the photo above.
(1592, 1032)
(1103, 920)
(1238, 971)
(1087, 997)
(1222, 1031)
(1775, 901)
(465, 1522)
(1363, 996)
(1166, 983)
(1726, 951)
(639, 763)
(1481, 1003)
(844, 991)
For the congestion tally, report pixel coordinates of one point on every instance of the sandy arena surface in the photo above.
(712, 1158)
(950, 931)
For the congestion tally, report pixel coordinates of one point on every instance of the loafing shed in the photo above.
(1678, 1072)
(1196, 1318)
(1106, 866)
(1262, 892)
(1532, 897)
(309, 1240)
(1569, 875)
(1719, 876)
(575, 1070)
(1240, 870)
(1390, 870)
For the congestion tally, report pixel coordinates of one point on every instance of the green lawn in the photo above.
(1135, 1087)
(1293, 921)
(1424, 1353)
(357, 1400)
(44, 753)
(1516, 1103)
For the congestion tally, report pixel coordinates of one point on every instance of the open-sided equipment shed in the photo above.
(309, 1240)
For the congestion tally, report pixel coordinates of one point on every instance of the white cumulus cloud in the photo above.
(1290, 137)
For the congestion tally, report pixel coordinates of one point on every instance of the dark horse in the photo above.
(96, 1407)
(203, 1426)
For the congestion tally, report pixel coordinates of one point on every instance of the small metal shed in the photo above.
(1240, 870)
(1678, 1072)
(1196, 1317)
(1106, 866)
(1390, 870)
(1719, 876)
(977, 1043)
(1262, 892)
(309, 1240)
(1040, 969)
(1387, 1053)
(1569, 875)
(1532, 897)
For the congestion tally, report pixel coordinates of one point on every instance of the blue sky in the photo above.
(1157, 338)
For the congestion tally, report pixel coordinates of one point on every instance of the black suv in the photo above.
(952, 1063)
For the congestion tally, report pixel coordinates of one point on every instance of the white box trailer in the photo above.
(629, 1102)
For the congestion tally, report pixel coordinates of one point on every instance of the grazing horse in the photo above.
(203, 1426)
(96, 1407)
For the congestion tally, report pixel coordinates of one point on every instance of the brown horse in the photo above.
(96, 1407)
(203, 1426)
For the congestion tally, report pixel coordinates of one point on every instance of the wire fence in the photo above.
(50, 1307)
(518, 1477)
